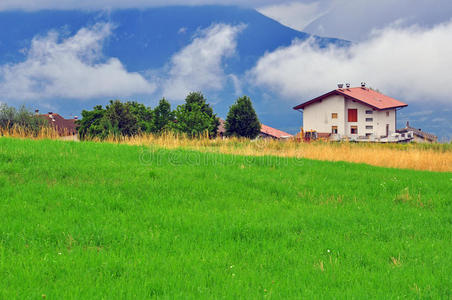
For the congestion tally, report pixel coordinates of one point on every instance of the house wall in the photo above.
(318, 116)
(378, 123)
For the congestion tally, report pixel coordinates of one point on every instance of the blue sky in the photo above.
(402, 47)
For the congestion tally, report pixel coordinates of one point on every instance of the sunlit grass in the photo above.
(430, 157)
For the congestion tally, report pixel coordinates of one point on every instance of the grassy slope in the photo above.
(85, 219)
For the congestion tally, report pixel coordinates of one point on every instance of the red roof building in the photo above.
(269, 132)
(364, 95)
(266, 131)
(65, 127)
(357, 113)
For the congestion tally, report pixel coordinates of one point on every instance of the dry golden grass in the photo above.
(20, 132)
(410, 156)
(413, 156)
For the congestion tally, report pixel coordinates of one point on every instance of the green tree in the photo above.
(143, 115)
(195, 117)
(118, 118)
(242, 120)
(20, 118)
(162, 116)
(91, 124)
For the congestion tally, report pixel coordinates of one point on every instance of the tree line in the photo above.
(22, 118)
(194, 118)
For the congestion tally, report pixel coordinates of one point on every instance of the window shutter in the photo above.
(353, 115)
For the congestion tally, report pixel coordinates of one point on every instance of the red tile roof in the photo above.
(364, 95)
(274, 132)
(63, 126)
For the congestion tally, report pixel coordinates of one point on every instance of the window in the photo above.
(334, 116)
(387, 114)
(369, 112)
(334, 129)
(368, 134)
(353, 115)
(354, 130)
(369, 127)
(369, 119)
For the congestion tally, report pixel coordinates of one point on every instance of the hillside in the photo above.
(93, 220)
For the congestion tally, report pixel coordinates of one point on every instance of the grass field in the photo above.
(417, 156)
(97, 220)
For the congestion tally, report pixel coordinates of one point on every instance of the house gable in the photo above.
(364, 95)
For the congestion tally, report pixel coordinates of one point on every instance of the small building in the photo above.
(64, 127)
(417, 135)
(357, 113)
(269, 132)
(266, 132)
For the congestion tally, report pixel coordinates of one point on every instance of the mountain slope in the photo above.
(146, 40)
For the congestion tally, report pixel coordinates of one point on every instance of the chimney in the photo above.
(407, 124)
(340, 85)
(37, 112)
(363, 85)
(347, 85)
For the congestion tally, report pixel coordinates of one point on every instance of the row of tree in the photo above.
(194, 118)
(22, 118)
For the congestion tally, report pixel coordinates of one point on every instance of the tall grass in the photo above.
(430, 157)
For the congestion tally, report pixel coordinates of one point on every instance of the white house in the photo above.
(357, 113)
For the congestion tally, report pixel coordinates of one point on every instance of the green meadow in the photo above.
(106, 221)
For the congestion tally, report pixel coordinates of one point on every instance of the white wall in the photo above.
(317, 116)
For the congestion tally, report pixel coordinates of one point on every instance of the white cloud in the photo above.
(412, 64)
(70, 68)
(355, 19)
(199, 66)
(294, 14)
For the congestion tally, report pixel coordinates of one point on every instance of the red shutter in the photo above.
(353, 115)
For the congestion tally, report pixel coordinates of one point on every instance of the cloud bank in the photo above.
(199, 66)
(74, 68)
(294, 14)
(70, 68)
(411, 63)
(355, 19)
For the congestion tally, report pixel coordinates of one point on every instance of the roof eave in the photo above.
(338, 92)
(303, 105)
